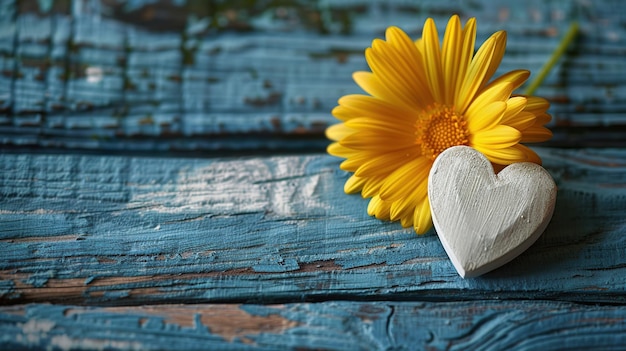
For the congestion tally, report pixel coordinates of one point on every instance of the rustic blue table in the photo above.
(164, 185)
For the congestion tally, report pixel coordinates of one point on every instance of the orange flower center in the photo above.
(439, 128)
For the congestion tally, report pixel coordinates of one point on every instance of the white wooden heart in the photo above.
(485, 220)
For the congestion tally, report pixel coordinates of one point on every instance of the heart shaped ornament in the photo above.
(485, 220)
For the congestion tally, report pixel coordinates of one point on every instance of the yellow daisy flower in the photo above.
(425, 97)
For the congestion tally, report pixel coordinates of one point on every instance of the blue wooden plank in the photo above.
(480, 325)
(190, 75)
(124, 230)
(7, 58)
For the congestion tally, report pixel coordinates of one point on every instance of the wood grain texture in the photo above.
(123, 231)
(185, 75)
(485, 220)
(483, 325)
(149, 253)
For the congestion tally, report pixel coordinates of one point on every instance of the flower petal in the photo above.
(338, 150)
(343, 113)
(466, 54)
(515, 77)
(379, 208)
(406, 221)
(514, 106)
(404, 207)
(412, 59)
(405, 179)
(542, 119)
(486, 118)
(500, 92)
(422, 219)
(479, 70)
(451, 52)
(531, 156)
(498, 54)
(354, 161)
(504, 156)
(390, 74)
(521, 121)
(338, 131)
(386, 163)
(371, 84)
(432, 56)
(536, 134)
(372, 185)
(419, 45)
(536, 104)
(353, 185)
(371, 140)
(475, 74)
(498, 137)
(357, 105)
(381, 126)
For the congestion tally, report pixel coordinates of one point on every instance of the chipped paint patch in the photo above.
(7, 288)
(376, 325)
(65, 342)
(277, 187)
(276, 264)
(34, 331)
(230, 322)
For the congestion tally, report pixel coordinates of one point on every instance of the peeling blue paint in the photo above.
(39, 279)
(387, 255)
(276, 264)
(115, 295)
(284, 231)
(149, 232)
(7, 287)
(485, 325)
(132, 87)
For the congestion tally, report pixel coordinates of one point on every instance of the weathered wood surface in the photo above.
(123, 231)
(148, 75)
(103, 252)
(486, 325)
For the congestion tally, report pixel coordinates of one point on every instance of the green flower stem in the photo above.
(556, 55)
